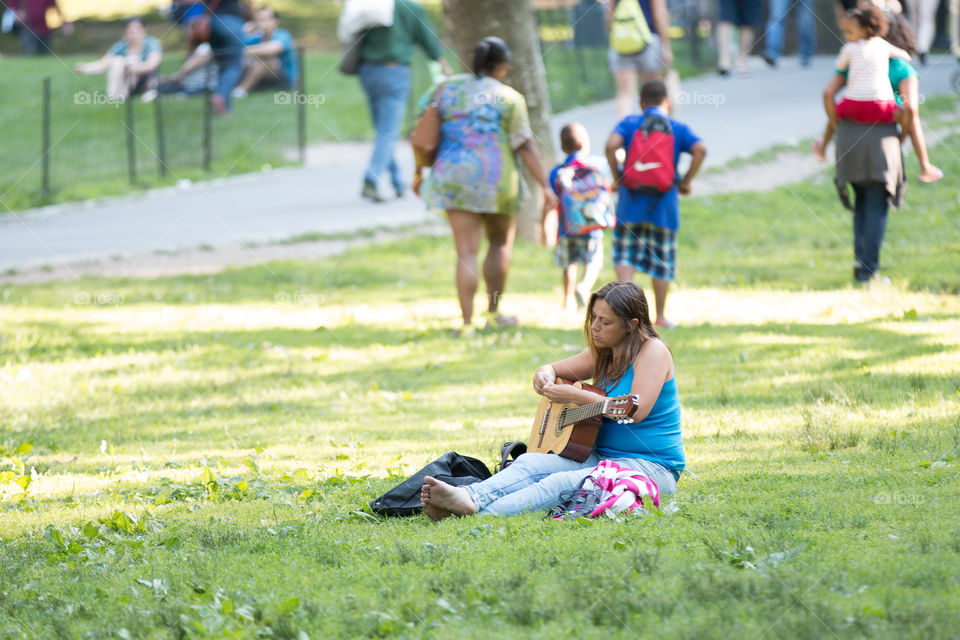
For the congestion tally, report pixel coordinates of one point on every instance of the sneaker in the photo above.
(370, 192)
(582, 295)
(149, 95)
(770, 60)
(497, 320)
(238, 92)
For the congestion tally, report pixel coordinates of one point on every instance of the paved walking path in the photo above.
(736, 116)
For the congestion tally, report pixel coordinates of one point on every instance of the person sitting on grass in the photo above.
(270, 57)
(624, 355)
(130, 65)
(586, 249)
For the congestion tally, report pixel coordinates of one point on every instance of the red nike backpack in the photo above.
(649, 166)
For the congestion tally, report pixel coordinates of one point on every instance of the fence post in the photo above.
(161, 142)
(131, 142)
(45, 143)
(207, 120)
(302, 111)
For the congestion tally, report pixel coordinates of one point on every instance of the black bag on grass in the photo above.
(452, 468)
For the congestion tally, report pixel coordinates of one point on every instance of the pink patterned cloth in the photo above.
(622, 488)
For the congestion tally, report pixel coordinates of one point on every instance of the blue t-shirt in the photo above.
(576, 155)
(656, 438)
(150, 45)
(661, 210)
(288, 57)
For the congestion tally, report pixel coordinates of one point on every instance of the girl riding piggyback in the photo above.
(865, 57)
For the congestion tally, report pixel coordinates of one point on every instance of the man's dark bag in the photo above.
(452, 468)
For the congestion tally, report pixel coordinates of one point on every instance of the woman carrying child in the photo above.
(865, 58)
(624, 355)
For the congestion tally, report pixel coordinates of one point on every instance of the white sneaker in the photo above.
(149, 95)
(238, 92)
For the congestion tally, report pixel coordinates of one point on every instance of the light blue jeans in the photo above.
(535, 481)
(226, 39)
(387, 88)
(806, 28)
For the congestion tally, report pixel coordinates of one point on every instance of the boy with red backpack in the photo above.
(648, 188)
(584, 210)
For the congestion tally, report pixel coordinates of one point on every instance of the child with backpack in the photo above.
(648, 188)
(584, 210)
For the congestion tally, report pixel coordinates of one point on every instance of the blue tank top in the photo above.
(656, 438)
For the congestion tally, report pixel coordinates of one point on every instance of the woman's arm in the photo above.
(578, 367)
(574, 368)
(661, 24)
(653, 367)
(614, 144)
(151, 64)
(95, 67)
(531, 158)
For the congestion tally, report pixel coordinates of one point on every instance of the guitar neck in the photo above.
(573, 415)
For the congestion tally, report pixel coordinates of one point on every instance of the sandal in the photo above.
(497, 320)
(466, 331)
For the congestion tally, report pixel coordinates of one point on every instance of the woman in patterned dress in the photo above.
(475, 177)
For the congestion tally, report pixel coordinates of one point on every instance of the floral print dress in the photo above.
(482, 122)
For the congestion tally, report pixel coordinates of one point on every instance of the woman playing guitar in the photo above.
(624, 355)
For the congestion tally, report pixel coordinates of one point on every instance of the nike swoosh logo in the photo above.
(645, 166)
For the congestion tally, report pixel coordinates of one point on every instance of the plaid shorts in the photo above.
(646, 248)
(578, 249)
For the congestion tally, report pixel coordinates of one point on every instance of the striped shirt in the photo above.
(868, 62)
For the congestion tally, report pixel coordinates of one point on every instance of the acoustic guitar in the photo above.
(570, 430)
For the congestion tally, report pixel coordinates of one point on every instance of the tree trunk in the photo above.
(469, 21)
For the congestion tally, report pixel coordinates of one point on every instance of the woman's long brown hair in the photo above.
(628, 302)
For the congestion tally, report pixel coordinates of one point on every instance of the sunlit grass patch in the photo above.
(191, 456)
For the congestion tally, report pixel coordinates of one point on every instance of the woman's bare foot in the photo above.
(444, 499)
(819, 151)
(930, 174)
(433, 512)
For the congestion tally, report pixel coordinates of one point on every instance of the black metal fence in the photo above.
(91, 144)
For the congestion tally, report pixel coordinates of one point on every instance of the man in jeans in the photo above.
(385, 76)
(806, 30)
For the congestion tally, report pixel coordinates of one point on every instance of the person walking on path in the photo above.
(579, 183)
(624, 355)
(746, 15)
(865, 59)
(922, 15)
(475, 178)
(645, 238)
(806, 30)
(632, 70)
(385, 77)
(33, 31)
(869, 159)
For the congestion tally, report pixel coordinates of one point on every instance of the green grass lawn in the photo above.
(191, 456)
